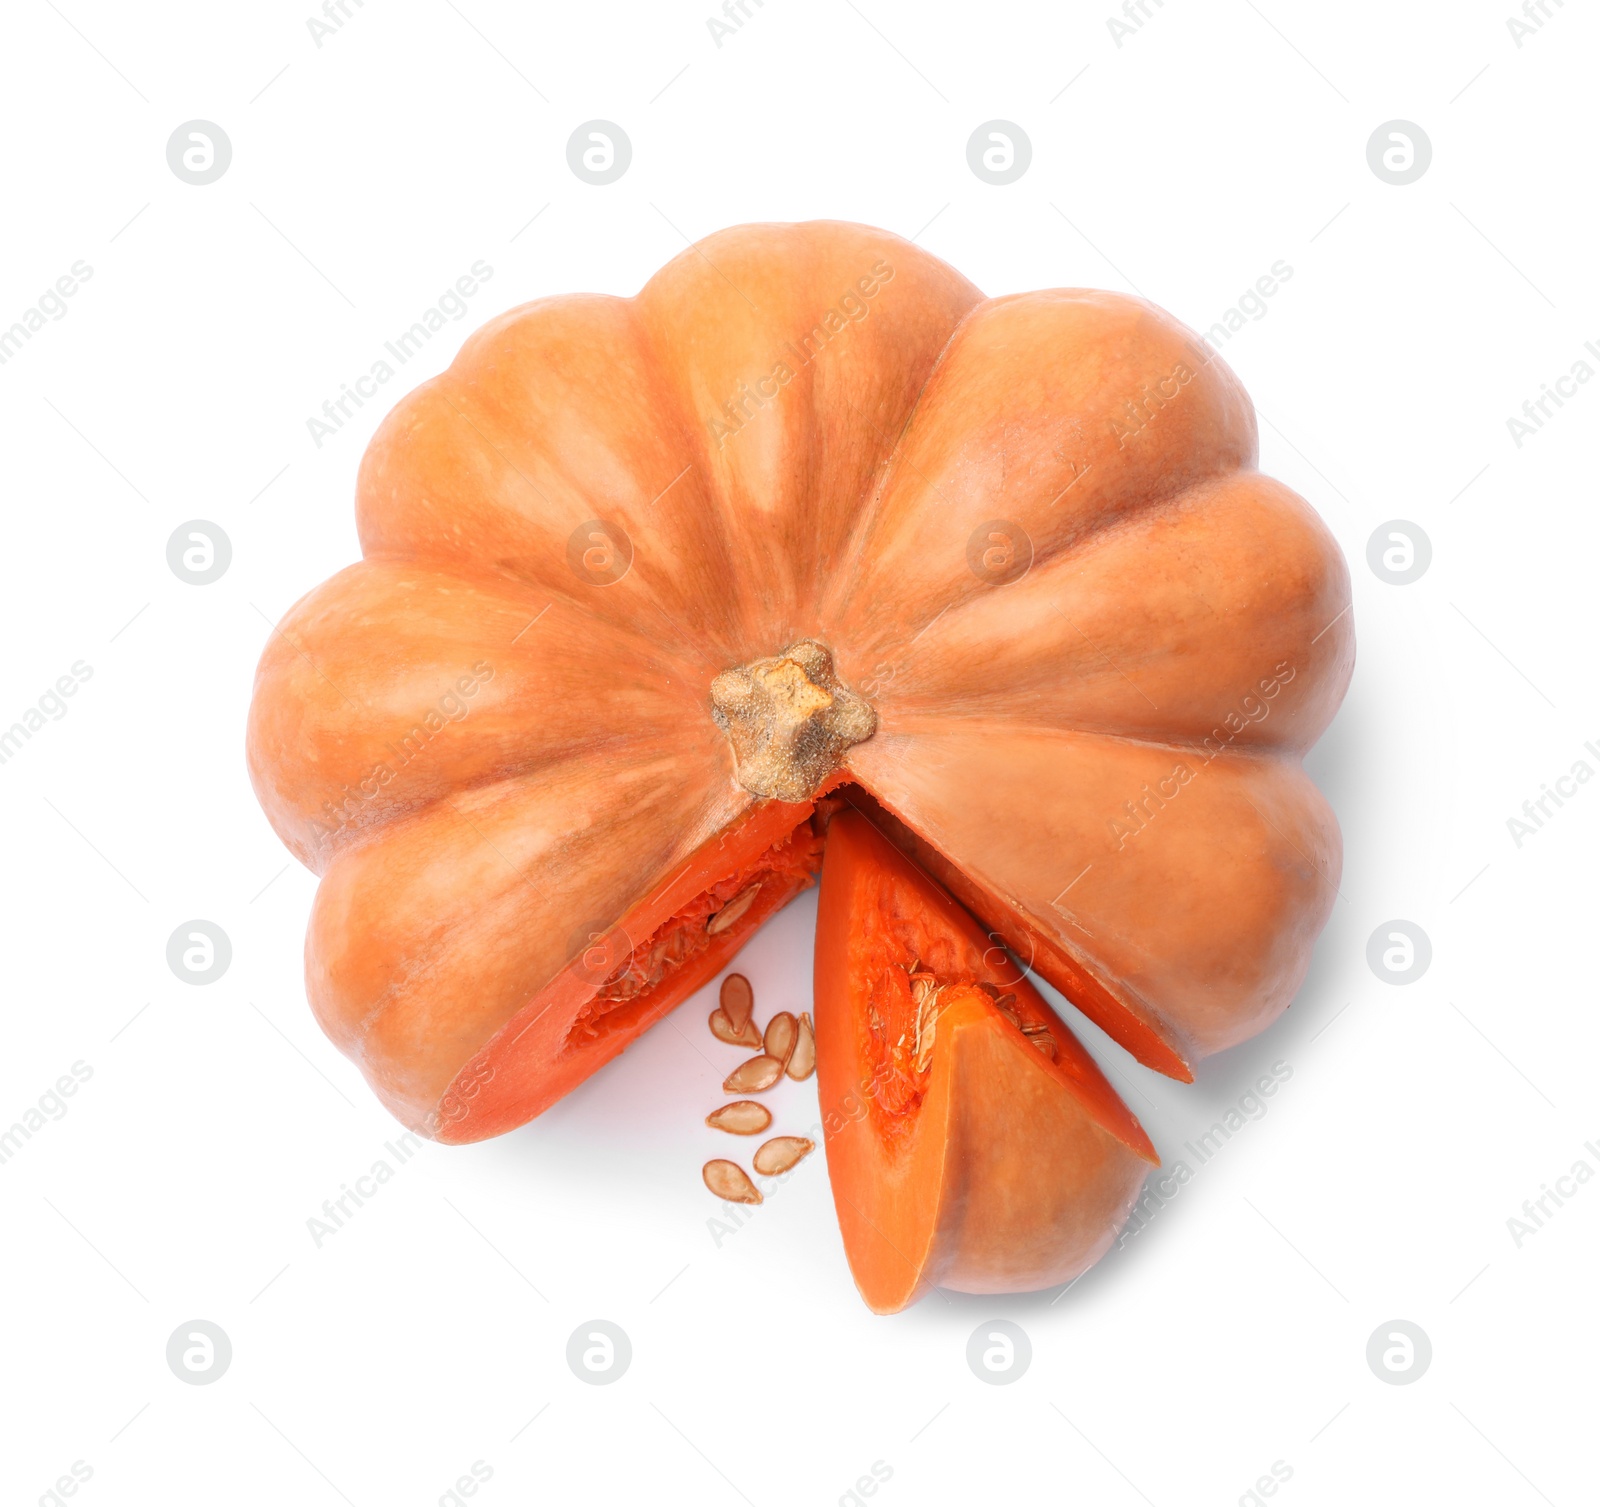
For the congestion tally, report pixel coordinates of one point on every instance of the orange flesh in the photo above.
(785, 868)
(894, 954)
(571, 1028)
(893, 931)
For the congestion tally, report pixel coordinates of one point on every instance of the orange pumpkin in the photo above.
(645, 577)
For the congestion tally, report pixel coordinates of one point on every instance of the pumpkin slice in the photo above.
(972, 1142)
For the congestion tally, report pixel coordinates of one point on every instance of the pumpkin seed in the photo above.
(782, 1032)
(781, 1153)
(737, 998)
(1040, 1035)
(803, 1060)
(927, 997)
(724, 1030)
(753, 1076)
(742, 1117)
(733, 910)
(730, 1182)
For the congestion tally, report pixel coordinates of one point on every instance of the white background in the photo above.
(1229, 1334)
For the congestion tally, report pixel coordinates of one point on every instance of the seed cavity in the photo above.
(803, 1060)
(742, 1117)
(1040, 1035)
(781, 1153)
(754, 1076)
(733, 910)
(730, 1182)
(1037, 1032)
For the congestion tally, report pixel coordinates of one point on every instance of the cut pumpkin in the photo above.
(972, 1142)
(651, 584)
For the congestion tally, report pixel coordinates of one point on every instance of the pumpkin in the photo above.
(972, 1142)
(644, 579)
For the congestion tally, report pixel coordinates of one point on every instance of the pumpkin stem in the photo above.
(789, 720)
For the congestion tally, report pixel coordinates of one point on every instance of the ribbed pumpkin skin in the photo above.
(801, 432)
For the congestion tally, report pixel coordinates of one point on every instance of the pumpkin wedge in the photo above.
(643, 578)
(972, 1142)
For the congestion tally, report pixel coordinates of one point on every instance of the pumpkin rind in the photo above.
(587, 783)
